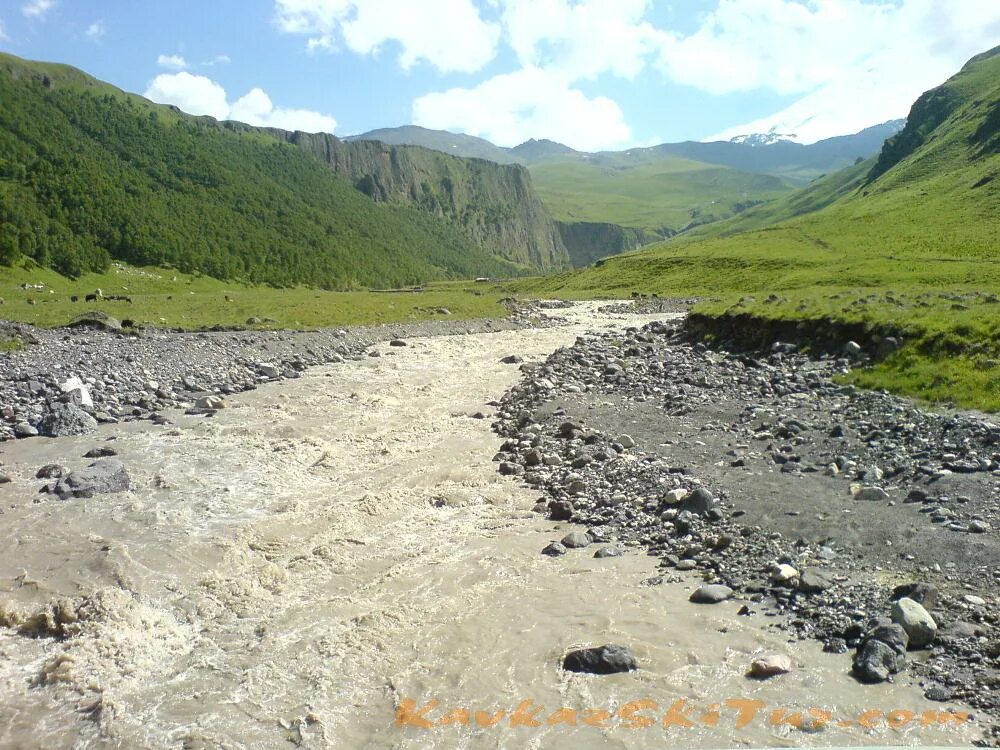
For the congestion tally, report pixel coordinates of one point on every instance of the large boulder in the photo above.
(608, 659)
(576, 540)
(915, 620)
(814, 581)
(922, 593)
(699, 502)
(96, 319)
(66, 419)
(77, 392)
(100, 478)
(876, 661)
(712, 593)
(881, 654)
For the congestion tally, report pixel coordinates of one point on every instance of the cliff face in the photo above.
(588, 241)
(495, 204)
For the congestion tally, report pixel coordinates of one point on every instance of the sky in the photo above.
(593, 74)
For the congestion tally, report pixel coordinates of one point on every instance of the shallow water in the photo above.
(293, 569)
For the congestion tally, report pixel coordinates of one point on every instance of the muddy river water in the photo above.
(327, 551)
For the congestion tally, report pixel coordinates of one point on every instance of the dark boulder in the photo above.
(610, 659)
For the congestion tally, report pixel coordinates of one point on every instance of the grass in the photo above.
(669, 193)
(916, 248)
(166, 298)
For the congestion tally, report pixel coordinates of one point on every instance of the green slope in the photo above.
(456, 144)
(89, 173)
(910, 239)
(664, 196)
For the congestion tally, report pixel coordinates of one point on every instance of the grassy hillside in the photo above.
(89, 174)
(663, 196)
(916, 245)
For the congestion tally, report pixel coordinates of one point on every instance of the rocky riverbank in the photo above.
(776, 485)
(67, 380)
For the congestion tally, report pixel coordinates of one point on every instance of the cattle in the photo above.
(91, 298)
(74, 298)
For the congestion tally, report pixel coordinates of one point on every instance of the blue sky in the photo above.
(589, 73)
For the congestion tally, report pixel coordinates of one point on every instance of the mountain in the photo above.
(535, 151)
(623, 199)
(456, 144)
(89, 173)
(921, 214)
(762, 153)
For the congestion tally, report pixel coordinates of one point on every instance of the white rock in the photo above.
(675, 496)
(74, 384)
(915, 620)
(770, 665)
(784, 573)
(210, 402)
(626, 441)
(872, 494)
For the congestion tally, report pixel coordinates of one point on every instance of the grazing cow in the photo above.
(227, 298)
(74, 298)
(91, 298)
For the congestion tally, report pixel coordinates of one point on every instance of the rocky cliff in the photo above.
(495, 204)
(588, 241)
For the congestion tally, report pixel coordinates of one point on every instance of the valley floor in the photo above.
(293, 567)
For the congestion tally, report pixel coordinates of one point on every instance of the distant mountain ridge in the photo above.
(763, 153)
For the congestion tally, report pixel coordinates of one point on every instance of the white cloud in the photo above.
(172, 62)
(864, 65)
(218, 60)
(37, 8)
(3, 34)
(451, 35)
(198, 95)
(256, 108)
(95, 31)
(849, 63)
(582, 39)
(530, 103)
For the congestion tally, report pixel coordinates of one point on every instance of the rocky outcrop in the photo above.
(495, 204)
(589, 241)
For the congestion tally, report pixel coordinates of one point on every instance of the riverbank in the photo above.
(816, 499)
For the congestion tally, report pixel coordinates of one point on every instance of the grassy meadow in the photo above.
(669, 193)
(166, 298)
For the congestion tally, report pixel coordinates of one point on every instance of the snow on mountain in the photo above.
(764, 139)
